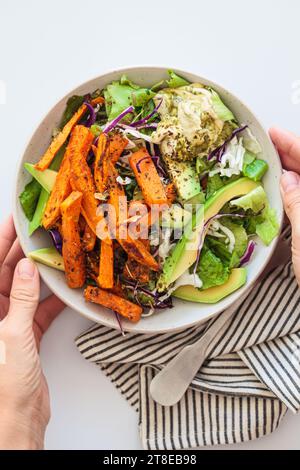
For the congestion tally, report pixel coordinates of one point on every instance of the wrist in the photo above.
(21, 430)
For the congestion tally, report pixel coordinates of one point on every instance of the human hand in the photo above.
(24, 397)
(288, 146)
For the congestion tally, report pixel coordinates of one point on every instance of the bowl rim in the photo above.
(102, 321)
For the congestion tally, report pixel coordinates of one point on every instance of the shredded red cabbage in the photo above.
(111, 125)
(155, 297)
(56, 239)
(248, 253)
(219, 151)
(135, 132)
(119, 323)
(92, 115)
(145, 119)
(156, 161)
(139, 163)
(152, 125)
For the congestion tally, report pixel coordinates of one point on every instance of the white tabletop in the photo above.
(47, 48)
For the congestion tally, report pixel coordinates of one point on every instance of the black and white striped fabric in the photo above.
(250, 379)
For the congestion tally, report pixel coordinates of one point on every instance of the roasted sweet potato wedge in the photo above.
(106, 266)
(73, 254)
(107, 299)
(147, 177)
(80, 141)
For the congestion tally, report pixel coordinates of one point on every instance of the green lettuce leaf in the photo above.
(256, 200)
(220, 109)
(175, 81)
(220, 249)
(249, 157)
(96, 130)
(250, 142)
(55, 165)
(268, 229)
(124, 80)
(264, 224)
(73, 104)
(213, 184)
(118, 96)
(240, 235)
(203, 165)
(211, 270)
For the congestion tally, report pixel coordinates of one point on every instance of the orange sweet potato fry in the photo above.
(147, 177)
(72, 252)
(88, 238)
(117, 145)
(108, 151)
(135, 270)
(137, 251)
(171, 193)
(60, 139)
(133, 247)
(92, 265)
(80, 141)
(81, 179)
(117, 289)
(120, 305)
(106, 266)
(98, 100)
(141, 225)
(100, 157)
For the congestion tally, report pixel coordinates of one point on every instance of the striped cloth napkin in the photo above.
(250, 379)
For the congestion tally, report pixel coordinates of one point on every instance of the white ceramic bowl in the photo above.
(184, 314)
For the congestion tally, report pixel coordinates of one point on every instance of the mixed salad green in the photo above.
(206, 167)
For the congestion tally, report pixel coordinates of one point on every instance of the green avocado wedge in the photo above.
(182, 257)
(184, 177)
(46, 178)
(36, 221)
(175, 217)
(213, 295)
(49, 257)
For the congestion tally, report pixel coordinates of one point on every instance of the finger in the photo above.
(288, 146)
(8, 267)
(4, 305)
(7, 237)
(47, 311)
(290, 189)
(24, 296)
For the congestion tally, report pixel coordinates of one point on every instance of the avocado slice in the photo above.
(36, 221)
(197, 199)
(175, 217)
(49, 257)
(213, 295)
(46, 178)
(184, 176)
(181, 258)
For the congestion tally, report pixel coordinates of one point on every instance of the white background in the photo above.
(46, 49)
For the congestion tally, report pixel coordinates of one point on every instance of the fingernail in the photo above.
(289, 181)
(26, 269)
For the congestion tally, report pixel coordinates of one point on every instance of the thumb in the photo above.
(25, 293)
(290, 189)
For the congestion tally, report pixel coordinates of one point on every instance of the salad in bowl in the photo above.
(150, 194)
